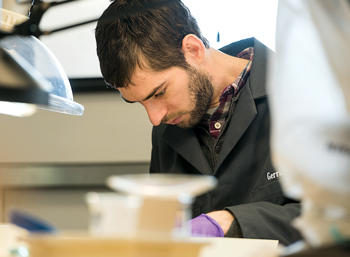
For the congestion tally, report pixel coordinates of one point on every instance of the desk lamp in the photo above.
(31, 77)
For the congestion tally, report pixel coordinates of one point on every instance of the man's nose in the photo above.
(156, 113)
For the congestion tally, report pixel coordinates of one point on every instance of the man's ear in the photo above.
(194, 49)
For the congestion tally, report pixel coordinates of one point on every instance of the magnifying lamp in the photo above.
(31, 76)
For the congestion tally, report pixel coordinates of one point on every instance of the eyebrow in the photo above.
(130, 102)
(154, 91)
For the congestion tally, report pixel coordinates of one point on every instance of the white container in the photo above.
(112, 214)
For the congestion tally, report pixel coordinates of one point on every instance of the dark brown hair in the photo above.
(147, 33)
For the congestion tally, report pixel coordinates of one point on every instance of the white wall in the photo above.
(235, 20)
(109, 131)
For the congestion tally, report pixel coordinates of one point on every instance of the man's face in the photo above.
(174, 96)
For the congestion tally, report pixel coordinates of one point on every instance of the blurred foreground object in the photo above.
(147, 205)
(12, 240)
(310, 98)
(30, 222)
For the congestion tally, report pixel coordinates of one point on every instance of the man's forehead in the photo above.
(138, 78)
(143, 85)
(126, 94)
(140, 74)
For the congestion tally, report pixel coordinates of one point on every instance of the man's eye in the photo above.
(161, 93)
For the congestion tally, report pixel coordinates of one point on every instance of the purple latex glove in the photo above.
(205, 226)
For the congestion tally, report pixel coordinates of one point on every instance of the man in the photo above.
(209, 110)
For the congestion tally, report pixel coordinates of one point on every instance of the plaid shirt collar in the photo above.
(217, 119)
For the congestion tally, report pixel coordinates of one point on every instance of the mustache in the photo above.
(172, 117)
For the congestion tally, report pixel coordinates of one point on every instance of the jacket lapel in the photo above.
(185, 142)
(242, 117)
(245, 111)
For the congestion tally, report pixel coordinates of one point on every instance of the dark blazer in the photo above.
(246, 186)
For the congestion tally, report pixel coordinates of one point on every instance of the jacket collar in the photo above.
(261, 53)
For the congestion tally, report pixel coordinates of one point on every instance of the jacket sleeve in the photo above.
(265, 220)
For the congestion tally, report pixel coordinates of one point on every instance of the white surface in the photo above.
(237, 247)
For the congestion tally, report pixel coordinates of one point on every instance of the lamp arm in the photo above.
(36, 12)
(48, 32)
(31, 26)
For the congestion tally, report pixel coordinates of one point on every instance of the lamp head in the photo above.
(33, 74)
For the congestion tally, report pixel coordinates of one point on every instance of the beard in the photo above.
(201, 93)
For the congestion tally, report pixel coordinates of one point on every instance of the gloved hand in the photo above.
(205, 226)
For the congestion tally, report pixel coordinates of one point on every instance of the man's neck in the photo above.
(223, 69)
